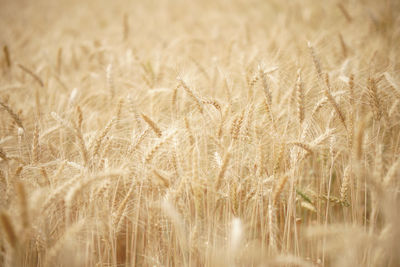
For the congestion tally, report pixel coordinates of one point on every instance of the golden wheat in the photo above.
(199, 133)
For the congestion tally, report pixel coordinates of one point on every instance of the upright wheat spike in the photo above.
(300, 97)
(278, 162)
(270, 116)
(189, 130)
(110, 80)
(316, 61)
(351, 90)
(121, 209)
(101, 136)
(251, 85)
(23, 204)
(80, 117)
(59, 60)
(222, 171)
(278, 188)
(236, 125)
(345, 184)
(82, 147)
(126, 28)
(343, 45)
(7, 56)
(374, 98)
(118, 113)
(360, 139)
(174, 105)
(272, 225)
(9, 230)
(35, 145)
(264, 81)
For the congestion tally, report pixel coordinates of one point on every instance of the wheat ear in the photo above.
(345, 184)
(333, 102)
(12, 114)
(157, 146)
(7, 56)
(110, 80)
(32, 74)
(152, 125)
(317, 63)
(23, 204)
(101, 137)
(35, 145)
(278, 189)
(189, 130)
(192, 95)
(222, 171)
(344, 12)
(300, 97)
(9, 229)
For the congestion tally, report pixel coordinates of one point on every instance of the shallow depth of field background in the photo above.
(199, 133)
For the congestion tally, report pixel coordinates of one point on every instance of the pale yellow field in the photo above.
(199, 133)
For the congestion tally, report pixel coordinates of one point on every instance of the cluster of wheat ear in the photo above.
(199, 133)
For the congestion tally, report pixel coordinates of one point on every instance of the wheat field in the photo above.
(199, 133)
